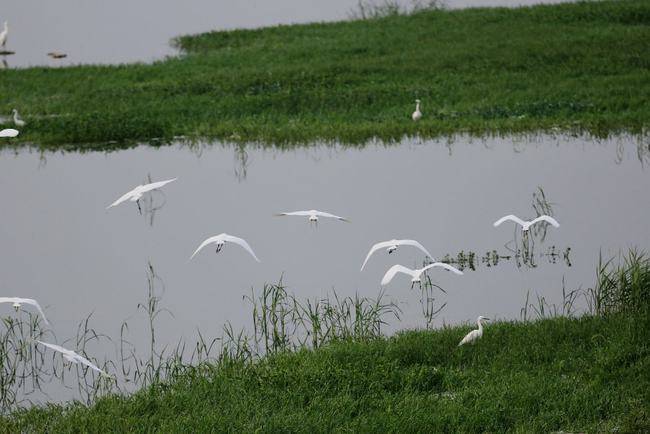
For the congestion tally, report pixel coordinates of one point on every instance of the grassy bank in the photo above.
(577, 67)
(588, 374)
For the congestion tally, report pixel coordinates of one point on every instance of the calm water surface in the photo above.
(61, 246)
(98, 31)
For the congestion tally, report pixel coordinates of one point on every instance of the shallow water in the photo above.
(96, 31)
(62, 247)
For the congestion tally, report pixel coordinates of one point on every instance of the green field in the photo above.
(575, 375)
(580, 67)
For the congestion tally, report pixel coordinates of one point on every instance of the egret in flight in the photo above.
(417, 114)
(3, 35)
(136, 194)
(392, 245)
(474, 335)
(220, 240)
(73, 357)
(8, 132)
(415, 274)
(525, 225)
(313, 215)
(17, 301)
(18, 121)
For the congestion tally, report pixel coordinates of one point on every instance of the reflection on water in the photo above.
(151, 202)
(59, 244)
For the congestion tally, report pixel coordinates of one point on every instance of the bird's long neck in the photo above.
(417, 106)
(480, 326)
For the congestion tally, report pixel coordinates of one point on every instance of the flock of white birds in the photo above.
(312, 216)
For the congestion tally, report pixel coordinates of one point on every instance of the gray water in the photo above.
(98, 31)
(62, 247)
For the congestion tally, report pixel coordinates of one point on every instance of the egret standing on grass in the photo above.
(3, 35)
(18, 121)
(417, 114)
(73, 357)
(17, 301)
(136, 194)
(392, 245)
(525, 225)
(474, 335)
(8, 132)
(415, 274)
(220, 240)
(313, 215)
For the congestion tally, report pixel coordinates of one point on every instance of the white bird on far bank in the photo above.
(417, 114)
(415, 274)
(17, 302)
(525, 225)
(313, 215)
(3, 35)
(73, 357)
(18, 121)
(392, 245)
(220, 240)
(474, 335)
(136, 194)
(8, 132)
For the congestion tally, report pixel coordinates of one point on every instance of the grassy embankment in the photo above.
(577, 67)
(580, 374)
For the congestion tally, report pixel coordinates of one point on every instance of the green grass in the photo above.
(578, 67)
(587, 374)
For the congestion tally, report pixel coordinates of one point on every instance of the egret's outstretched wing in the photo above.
(445, 266)
(58, 348)
(124, 198)
(547, 219)
(210, 240)
(373, 249)
(510, 217)
(88, 363)
(154, 185)
(242, 243)
(9, 132)
(326, 214)
(415, 244)
(29, 301)
(392, 271)
(298, 213)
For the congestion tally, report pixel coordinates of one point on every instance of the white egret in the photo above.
(474, 335)
(8, 132)
(313, 215)
(136, 194)
(525, 225)
(73, 357)
(3, 35)
(18, 121)
(415, 274)
(391, 246)
(417, 114)
(17, 301)
(220, 240)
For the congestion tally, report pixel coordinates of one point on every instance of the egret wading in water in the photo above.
(136, 194)
(18, 121)
(474, 335)
(74, 358)
(8, 132)
(3, 35)
(221, 240)
(17, 302)
(416, 274)
(525, 225)
(313, 215)
(391, 246)
(417, 114)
